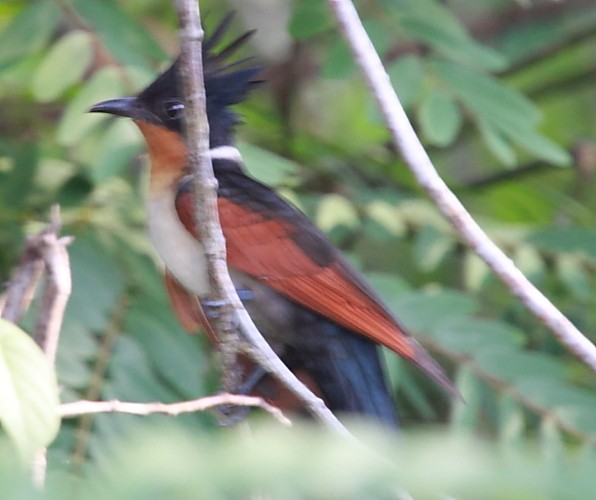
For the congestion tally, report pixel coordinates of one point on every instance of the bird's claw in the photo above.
(231, 415)
(211, 307)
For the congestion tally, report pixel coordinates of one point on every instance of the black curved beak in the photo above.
(124, 106)
(129, 107)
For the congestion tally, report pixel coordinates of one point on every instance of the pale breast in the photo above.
(181, 253)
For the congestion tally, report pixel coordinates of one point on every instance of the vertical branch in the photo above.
(57, 289)
(232, 317)
(58, 285)
(43, 251)
(417, 159)
(23, 284)
(205, 185)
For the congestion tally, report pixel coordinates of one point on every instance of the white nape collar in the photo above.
(226, 153)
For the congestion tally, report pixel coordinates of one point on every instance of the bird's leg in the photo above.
(211, 307)
(231, 415)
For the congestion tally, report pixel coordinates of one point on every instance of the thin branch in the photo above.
(58, 285)
(231, 317)
(22, 286)
(205, 184)
(43, 251)
(78, 408)
(416, 158)
(38, 468)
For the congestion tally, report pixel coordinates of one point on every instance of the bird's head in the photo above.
(162, 102)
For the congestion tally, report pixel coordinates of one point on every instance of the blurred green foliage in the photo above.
(502, 95)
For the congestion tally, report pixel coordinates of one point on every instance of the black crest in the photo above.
(226, 83)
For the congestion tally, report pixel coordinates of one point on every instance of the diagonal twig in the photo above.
(417, 159)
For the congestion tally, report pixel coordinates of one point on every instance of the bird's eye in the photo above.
(173, 109)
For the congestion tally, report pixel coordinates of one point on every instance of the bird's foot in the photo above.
(212, 307)
(231, 415)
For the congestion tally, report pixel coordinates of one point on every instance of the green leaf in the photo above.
(518, 202)
(15, 187)
(379, 35)
(76, 122)
(74, 192)
(127, 40)
(419, 212)
(407, 76)
(28, 392)
(496, 142)
(29, 31)
(530, 262)
(120, 143)
(545, 392)
(575, 407)
(427, 311)
(511, 421)
(472, 335)
(491, 99)
(572, 271)
(387, 215)
(335, 210)
(266, 166)
(77, 347)
(565, 239)
(552, 442)
(132, 377)
(513, 366)
(431, 247)
(64, 65)
(460, 48)
(426, 9)
(435, 24)
(53, 173)
(475, 271)
(388, 286)
(410, 385)
(540, 146)
(466, 416)
(338, 64)
(15, 480)
(99, 280)
(580, 415)
(526, 40)
(509, 112)
(175, 354)
(310, 18)
(280, 464)
(439, 117)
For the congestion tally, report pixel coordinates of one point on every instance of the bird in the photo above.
(318, 313)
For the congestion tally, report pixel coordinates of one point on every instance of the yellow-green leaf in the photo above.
(440, 117)
(28, 392)
(335, 210)
(64, 65)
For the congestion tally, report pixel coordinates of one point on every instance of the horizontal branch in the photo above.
(78, 408)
